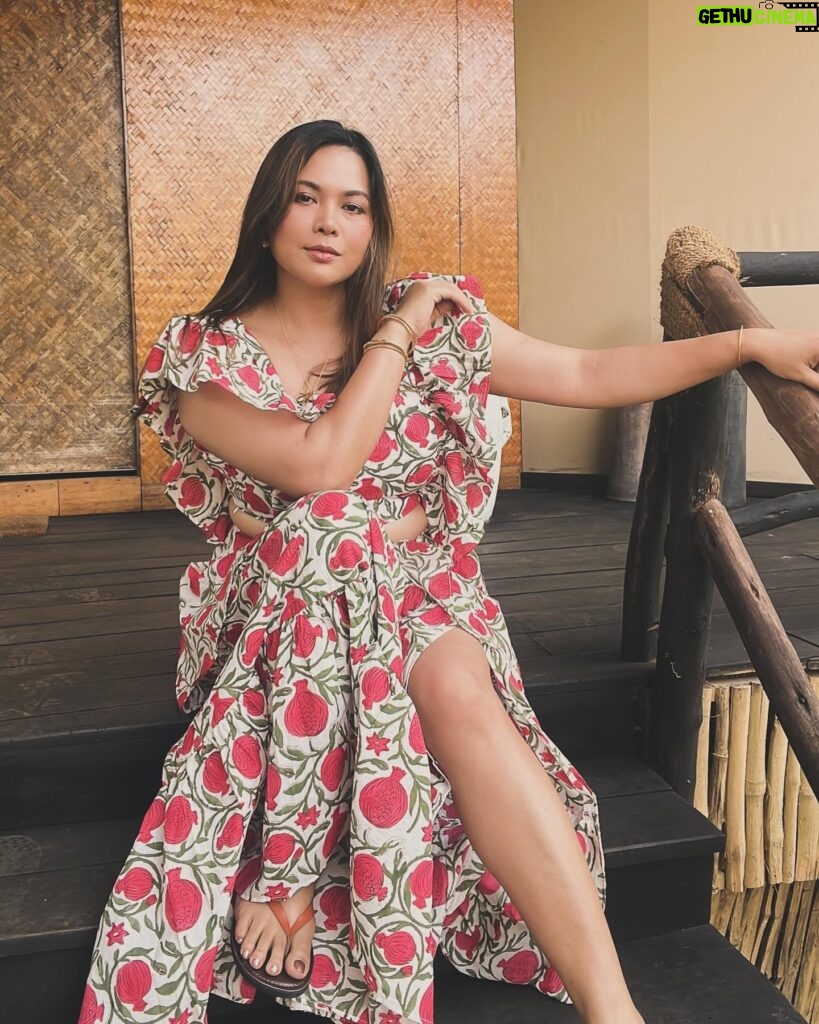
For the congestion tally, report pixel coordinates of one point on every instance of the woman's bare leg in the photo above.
(518, 824)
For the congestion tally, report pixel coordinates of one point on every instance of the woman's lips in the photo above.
(320, 256)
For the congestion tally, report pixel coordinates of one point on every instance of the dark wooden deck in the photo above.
(88, 647)
(103, 588)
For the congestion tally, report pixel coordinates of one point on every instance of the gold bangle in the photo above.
(383, 343)
(739, 346)
(403, 322)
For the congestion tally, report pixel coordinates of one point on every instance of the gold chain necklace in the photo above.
(305, 393)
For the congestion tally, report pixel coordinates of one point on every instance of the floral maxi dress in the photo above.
(305, 760)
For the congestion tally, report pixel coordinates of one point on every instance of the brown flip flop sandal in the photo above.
(281, 984)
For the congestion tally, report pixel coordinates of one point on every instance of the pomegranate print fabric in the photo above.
(305, 760)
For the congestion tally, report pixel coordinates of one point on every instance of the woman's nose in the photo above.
(325, 220)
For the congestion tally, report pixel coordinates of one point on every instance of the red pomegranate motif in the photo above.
(154, 817)
(279, 848)
(440, 883)
(324, 971)
(133, 982)
(511, 911)
(416, 735)
(135, 884)
(368, 877)
(384, 802)
(332, 768)
(183, 901)
(421, 883)
(271, 548)
(340, 816)
(231, 834)
(520, 968)
(255, 702)
(272, 788)
(488, 884)
(375, 686)
(247, 756)
(187, 741)
(551, 982)
(425, 1007)
(192, 492)
(289, 558)
(398, 948)
(214, 776)
(252, 645)
(220, 706)
(304, 637)
(387, 604)
(468, 942)
(306, 713)
(335, 905)
(179, 820)
(348, 555)
(203, 972)
(91, 1010)
(248, 874)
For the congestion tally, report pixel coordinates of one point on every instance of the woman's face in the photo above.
(330, 209)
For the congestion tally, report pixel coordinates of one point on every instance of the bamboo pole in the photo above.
(719, 773)
(701, 781)
(755, 786)
(735, 790)
(769, 647)
(790, 816)
(772, 940)
(806, 987)
(764, 917)
(807, 832)
(775, 802)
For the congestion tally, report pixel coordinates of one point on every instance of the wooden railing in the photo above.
(679, 515)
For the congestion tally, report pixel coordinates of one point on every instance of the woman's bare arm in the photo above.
(271, 445)
(540, 371)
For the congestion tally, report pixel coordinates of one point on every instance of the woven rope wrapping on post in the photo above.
(688, 249)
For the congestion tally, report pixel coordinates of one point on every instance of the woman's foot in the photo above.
(263, 941)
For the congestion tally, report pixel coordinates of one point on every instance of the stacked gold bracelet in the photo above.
(383, 343)
(739, 346)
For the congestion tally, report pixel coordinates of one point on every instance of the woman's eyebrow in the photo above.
(349, 192)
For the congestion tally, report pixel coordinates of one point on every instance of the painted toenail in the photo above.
(245, 953)
(255, 961)
(273, 968)
(300, 966)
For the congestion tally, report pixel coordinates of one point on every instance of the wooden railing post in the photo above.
(697, 457)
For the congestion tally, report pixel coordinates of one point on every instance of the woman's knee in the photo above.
(451, 677)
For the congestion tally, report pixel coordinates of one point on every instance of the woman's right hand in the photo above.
(429, 299)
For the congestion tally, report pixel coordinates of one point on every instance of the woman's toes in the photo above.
(274, 963)
(259, 955)
(298, 959)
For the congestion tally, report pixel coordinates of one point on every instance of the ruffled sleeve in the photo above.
(451, 366)
(185, 356)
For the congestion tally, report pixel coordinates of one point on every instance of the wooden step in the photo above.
(687, 976)
(54, 879)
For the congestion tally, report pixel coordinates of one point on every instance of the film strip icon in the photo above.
(801, 7)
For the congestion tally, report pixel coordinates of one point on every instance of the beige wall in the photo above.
(634, 120)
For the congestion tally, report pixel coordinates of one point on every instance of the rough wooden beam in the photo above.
(771, 652)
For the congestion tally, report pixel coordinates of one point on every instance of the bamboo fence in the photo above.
(765, 897)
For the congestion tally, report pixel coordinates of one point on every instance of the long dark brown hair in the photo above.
(252, 274)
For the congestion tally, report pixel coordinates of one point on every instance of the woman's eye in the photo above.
(303, 195)
(355, 208)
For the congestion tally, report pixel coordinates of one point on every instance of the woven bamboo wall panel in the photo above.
(209, 88)
(66, 374)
